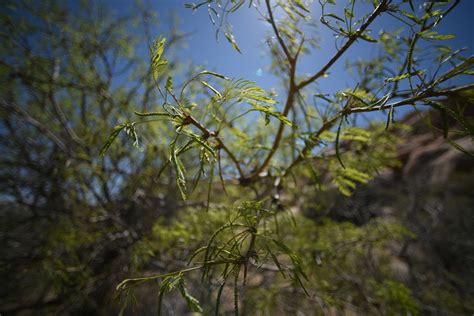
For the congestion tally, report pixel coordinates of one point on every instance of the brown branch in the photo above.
(380, 8)
(207, 133)
(271, 20)
(330, 123)
(189, 119)
(23, 114)
(292, 91)
(231, 156)
(421, 96)
(276, 143)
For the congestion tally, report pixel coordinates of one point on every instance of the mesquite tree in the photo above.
(219, 141)
(233, 200)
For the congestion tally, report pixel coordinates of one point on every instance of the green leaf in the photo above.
(209, 188)
(344, 186)
(210, 11)
(267, 119)
(357, 175)
(277, 263)
(281, 118)
(323, 96)
(411, 17)
(237, 6)
(200, 141)
(211, 88)
(442, 37)
(338, 155)
(268, 111)
(298, 279)
(332, 15)
(167, 285)
(368, 38)
(404, 76)
(389, 117)
(192, 302)
(169, 84)
(180, 179)
(358, 94)
(431, 35)
(230, 37)
(459, 69)
(113, 135)
(431, 14)
(218, 299)
(283, 248)
(382, 101)
(165, 114)
(301, 5)
(194, 6)
(348, 13)
(247, 91)
(130, 130)
(356, 134)
(212, 73)
(157, 63)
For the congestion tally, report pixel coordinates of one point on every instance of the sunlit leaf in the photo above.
(237, 5)
(404, 76)
(212, 73)
(169, 84)
(211, 88)
(335, 17)
(301, 5)
(230, 37)
(157, 63)
(368, 38)
(113, 135)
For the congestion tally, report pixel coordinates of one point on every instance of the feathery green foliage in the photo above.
(250, 235)
(212, 194)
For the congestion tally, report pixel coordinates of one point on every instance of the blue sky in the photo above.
(249, 30)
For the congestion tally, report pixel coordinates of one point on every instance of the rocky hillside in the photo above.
(431, 193)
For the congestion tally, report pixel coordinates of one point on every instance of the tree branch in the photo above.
(330, 123)
(380, 8)
(271, 20)
(207, 133)
(188, 118)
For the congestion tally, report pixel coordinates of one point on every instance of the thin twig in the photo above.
(271, 20)
(380, 8)
(330, 123)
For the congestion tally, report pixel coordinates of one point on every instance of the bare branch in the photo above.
(271, 20)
